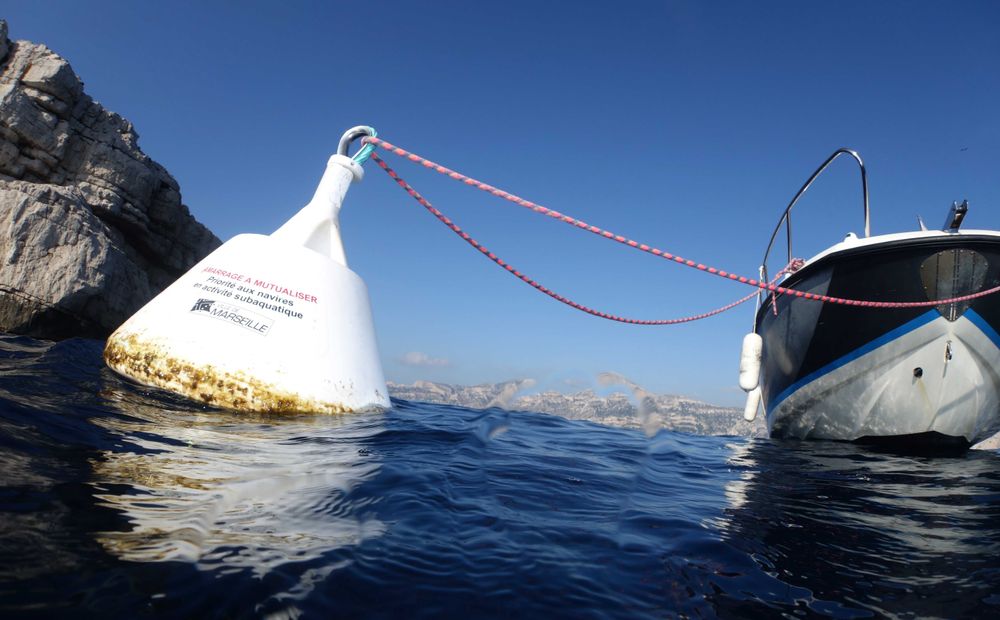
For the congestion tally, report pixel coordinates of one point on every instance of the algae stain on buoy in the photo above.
(270, 323)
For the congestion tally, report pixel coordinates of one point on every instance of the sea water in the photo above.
(122, 501)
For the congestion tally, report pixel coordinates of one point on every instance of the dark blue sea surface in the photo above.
(121, 501)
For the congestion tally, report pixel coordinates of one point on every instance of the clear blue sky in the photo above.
(687, 125)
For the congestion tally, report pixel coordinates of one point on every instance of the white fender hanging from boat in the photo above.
(271, 323)
(753, 404)
(750, 356)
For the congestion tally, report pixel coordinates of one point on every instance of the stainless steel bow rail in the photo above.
(786, 216)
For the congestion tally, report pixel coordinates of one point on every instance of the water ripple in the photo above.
(118, 500)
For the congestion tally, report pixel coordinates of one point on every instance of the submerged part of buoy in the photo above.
(753, 404)
(272, 323)
(750, 356)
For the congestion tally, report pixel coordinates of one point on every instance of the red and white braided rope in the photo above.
(527, 280)
(769, 286)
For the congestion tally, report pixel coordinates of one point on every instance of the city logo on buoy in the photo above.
(203, 305)
(234, 314)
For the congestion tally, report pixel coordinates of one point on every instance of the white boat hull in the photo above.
(928, 375)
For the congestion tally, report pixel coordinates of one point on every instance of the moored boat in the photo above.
(884, 371)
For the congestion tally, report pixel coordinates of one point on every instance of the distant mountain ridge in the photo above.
(626, 405)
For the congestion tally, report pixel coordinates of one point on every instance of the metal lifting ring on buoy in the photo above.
(353, 134)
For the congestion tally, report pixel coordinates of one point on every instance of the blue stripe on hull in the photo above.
(886, 338)
(983, 326)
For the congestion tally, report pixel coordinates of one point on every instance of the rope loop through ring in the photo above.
(353, 134)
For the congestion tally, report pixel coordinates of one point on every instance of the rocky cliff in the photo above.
(90, 227)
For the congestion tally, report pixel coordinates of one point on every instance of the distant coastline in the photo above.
(626, 406)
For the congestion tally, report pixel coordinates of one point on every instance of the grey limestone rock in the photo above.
(91, 228)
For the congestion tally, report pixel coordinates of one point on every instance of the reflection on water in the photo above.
(118, 501)
(220, 488)
(851, 532)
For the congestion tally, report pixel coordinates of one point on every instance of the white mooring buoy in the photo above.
(271, 323)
